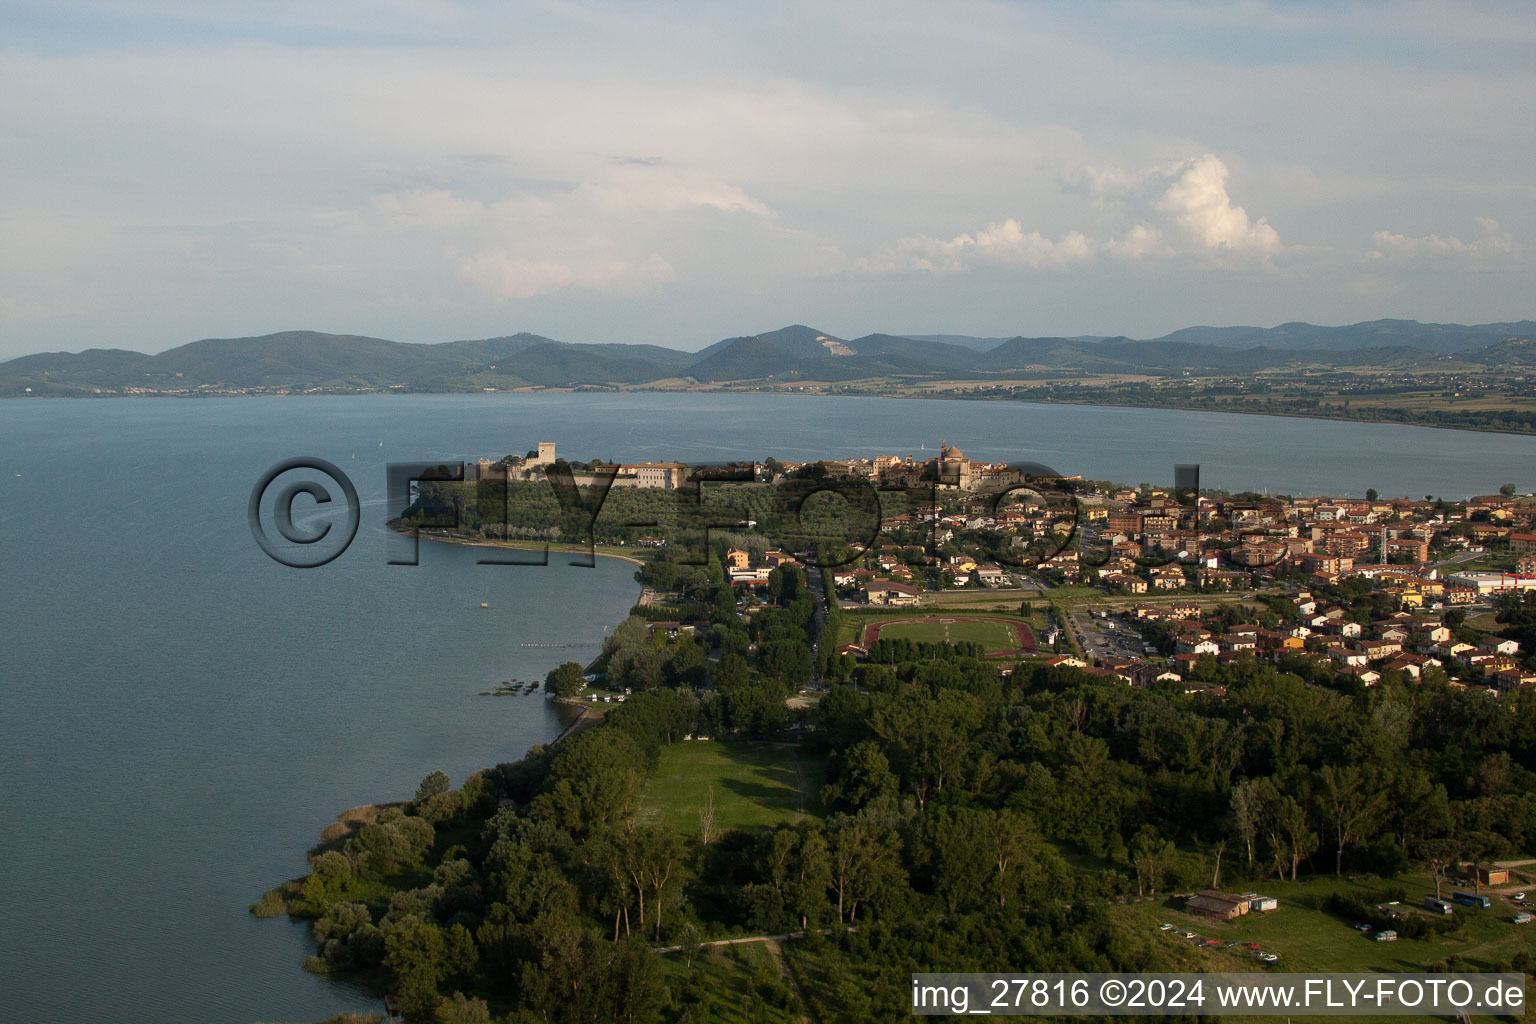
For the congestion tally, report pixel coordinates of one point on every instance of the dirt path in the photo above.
(586, 719)
(786, 937)
(777, 952)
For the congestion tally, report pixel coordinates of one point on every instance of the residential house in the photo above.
(893, 595)
(1134, 584)
(1348, 657)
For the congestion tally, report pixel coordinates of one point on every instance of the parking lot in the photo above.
(1106, 639)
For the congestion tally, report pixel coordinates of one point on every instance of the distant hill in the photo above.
(1510, 352)
(1371, 334)
(983, 344)
(299, 360)
(796, 340)
(804, 354)
(308, 360)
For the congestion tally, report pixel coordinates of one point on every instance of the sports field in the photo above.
(998, 636)
(754, 784)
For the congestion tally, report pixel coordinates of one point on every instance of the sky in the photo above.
(675, 173)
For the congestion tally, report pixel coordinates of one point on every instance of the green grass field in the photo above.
(755, 785)
(992, 634)
(914, 624)
(1308, 938)
(733, 985)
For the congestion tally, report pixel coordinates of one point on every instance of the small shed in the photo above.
(1492, 875)
(1262, 903)
(1217, 904)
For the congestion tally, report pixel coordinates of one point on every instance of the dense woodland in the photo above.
(975, 819)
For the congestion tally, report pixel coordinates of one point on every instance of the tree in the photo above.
(924, 737)
(594, 778)
(788, 661)
(809, 877)
(1351, 803)
(865, 775)
(435, 783)
(565, 680)
(1439, 855)
(1508, 490)
(707, 832)
(730, 672)
(634, 985)
(329, 875)
(864, 859)
(459, 1009)
(1247, 808)
(1421, 808)
(1150, 855)
(637, 667)
(1291, 821)
(413, 952)
(387, 845)
(1010, 838)
(1482, 846)
(661, 851)
(1371, 494)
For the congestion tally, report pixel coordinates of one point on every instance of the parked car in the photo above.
(1165, 927)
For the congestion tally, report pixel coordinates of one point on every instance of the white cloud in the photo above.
(1495, 245)
(516, 277)
(1197, 201)
(642, 188)
(1142, 242)
(1183, 211)
(1001, 244)
(599, 235)
(471, 154)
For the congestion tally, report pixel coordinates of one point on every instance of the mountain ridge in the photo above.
(310, 360)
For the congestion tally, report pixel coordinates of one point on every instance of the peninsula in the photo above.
(1040, 723)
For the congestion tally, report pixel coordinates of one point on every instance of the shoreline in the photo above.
(627, 390)
(586, 717)
(564, 549)
(939, 397)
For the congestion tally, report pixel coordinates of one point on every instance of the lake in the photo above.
(181, 715)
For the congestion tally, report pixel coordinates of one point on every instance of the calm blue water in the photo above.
(180, 716)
